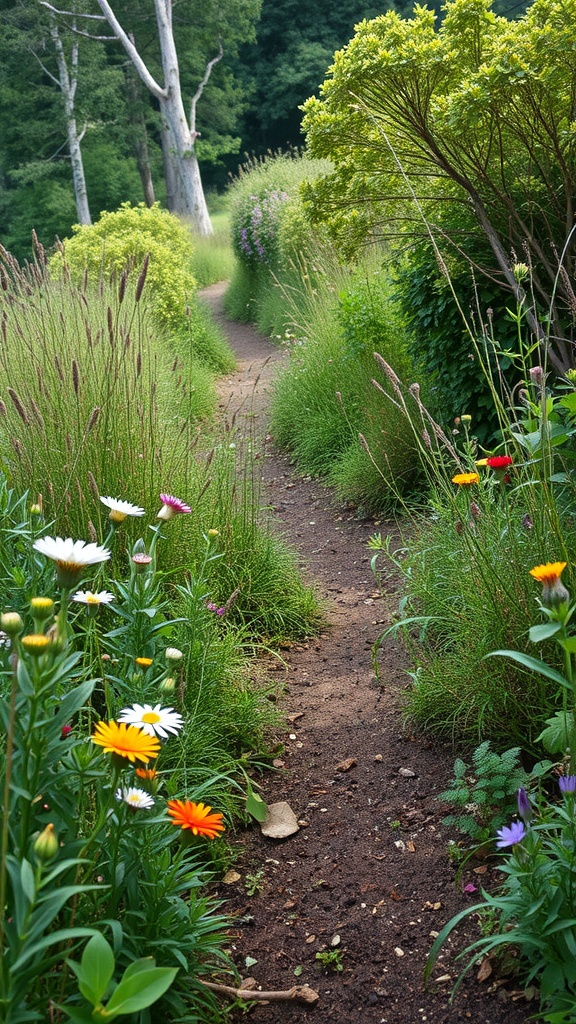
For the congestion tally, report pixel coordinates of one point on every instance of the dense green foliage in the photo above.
(462, 129)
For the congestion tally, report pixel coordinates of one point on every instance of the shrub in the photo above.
(122, 240)
(264, 200)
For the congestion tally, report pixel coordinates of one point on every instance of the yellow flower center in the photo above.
(133, 798)
(116, 516)
(150, 717)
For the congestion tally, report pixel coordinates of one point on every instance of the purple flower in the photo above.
(524, 806)
(567, 783)
(214, 608)
(510, 835)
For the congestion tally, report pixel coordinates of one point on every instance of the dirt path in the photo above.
(368, 872)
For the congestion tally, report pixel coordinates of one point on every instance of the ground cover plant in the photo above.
(533, 910)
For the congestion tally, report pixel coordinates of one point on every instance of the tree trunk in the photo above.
(178, 137)
(182, 164)
(68, 88)
(140, 136)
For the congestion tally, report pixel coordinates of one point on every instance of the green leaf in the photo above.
(96, 969)
(139, 990)
(568, 643)
(78, 1014)
(255, 804)
(544, 631)
(534, 664)
(27, 881)
(75, 700)
(555, 737)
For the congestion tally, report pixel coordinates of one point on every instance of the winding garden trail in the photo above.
(367, 874)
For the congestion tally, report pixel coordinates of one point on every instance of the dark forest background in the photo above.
(249, 107)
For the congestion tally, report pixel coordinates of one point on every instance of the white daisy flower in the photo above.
(87, 597)
(71, 556)
(134, 797)
(155, 721)
(119, 510)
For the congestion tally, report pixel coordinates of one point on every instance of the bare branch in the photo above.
(204, 81)
(122, 37)
(71, 14)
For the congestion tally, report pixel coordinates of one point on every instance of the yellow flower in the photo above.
(554, 592)
(143, 662)
(465, 479)
(548, 573)
(36, 643)
(126, 741)
(196, 817)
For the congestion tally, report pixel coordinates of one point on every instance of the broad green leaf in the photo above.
(96, 969)
(555, 737)
(255, 805)
(543, 631)
(140, 990)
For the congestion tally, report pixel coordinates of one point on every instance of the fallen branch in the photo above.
(297, 994)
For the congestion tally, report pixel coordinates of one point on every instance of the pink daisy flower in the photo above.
(171, 506)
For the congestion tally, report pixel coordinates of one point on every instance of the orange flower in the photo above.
(126, 741)
(143, 662)
(196, 817)
(548, 574)
(465, 479)
(554, 592)
(146, 773)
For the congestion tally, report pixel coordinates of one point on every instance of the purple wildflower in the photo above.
(510, 835)
(567, 783)
(524, 806)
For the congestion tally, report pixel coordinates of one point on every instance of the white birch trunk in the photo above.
(68, 88)
(178, 135)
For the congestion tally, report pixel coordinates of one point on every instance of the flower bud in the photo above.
(36, 644)
(524, 806)
(168, 685)
(11, 623)
(46, 845)
(173, 654)
(42, 608)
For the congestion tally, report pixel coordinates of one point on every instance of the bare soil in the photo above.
(368, 872)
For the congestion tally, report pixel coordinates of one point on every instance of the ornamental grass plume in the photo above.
(195, 817)
(126, 741)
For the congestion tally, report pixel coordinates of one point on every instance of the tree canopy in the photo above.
(458, 126)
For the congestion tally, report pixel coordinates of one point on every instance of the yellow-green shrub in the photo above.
(122, 240)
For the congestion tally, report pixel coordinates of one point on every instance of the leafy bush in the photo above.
(262, 201)
(439, 341)
(121, 241)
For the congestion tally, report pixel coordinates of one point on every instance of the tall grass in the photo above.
(213, 259)
(325, 408)
(94, 402)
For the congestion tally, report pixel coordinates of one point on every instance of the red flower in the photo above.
(499, 461)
